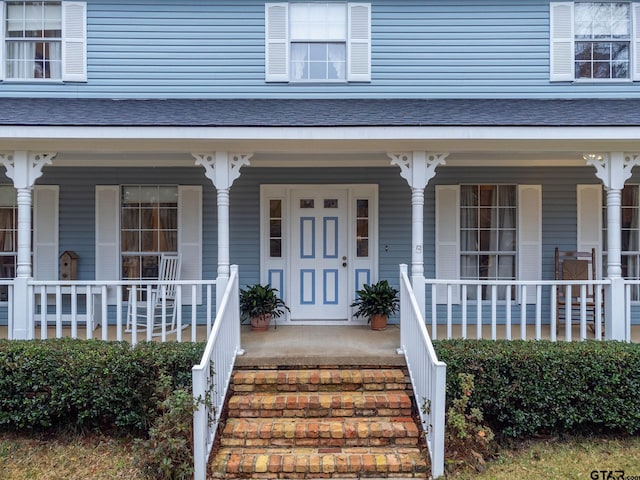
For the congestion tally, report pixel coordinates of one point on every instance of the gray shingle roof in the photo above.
(318, 112)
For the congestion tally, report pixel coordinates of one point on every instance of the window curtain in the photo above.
(25, 60)
(337, 60)
(299, 59)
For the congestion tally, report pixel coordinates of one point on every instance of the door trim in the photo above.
(276, 270)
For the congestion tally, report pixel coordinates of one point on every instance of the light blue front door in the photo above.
(319, 254)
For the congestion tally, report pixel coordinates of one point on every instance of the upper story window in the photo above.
(318, 42)
(44, 40)
(594, 41)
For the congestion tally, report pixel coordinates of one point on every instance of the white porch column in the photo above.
(614, 169)
(24, 168)
(417, 168)
(222, 168)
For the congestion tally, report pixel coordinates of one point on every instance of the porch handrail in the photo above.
(223, 345)
(100, 295)
(427, 373)
(531, 291)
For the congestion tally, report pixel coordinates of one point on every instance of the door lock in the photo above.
(344, 261)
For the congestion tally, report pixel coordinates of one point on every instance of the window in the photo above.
(487, 234)
(39, 35)
(149, 227)
(317, 42)
(593, 41)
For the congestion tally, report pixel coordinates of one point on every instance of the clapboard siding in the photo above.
(420, 48)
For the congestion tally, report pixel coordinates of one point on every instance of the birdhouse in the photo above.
(69, 265)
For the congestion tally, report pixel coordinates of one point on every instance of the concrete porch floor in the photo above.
(320, 345)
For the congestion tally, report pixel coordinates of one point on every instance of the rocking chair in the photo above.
(161, 305)
(576, 266)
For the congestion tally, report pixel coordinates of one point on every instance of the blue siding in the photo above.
(420, 49)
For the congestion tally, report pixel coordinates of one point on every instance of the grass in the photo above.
(99, 457)
(67, 458)
(574, 458)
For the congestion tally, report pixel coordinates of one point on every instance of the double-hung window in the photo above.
(594, 41)
(44, 40)
(488, 218)
(318, 42)
(488, 232)
(149, 228)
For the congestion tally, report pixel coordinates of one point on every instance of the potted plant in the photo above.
(376, 302)
(260, 303)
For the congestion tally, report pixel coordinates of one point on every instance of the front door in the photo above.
(317, 248)
(319, 254)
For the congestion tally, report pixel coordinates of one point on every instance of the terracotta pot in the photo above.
(378, 322)
(261, 323)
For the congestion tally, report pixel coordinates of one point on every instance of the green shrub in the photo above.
(168, 451)
(88, 384)
(527, 388)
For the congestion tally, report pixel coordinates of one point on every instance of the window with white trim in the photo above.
(594, 41)
(44, 40)
(488, 216)
(488, 232)
(149, 228)
(318, 42)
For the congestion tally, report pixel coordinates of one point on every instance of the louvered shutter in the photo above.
(2, 33)
(45, 232)
(190, 236)
(277, 42)
(359, 42)
(561, 68)
(108, 235)
(447, 239)
(74, 41)
(636, 40)
(530, 236)
(589, 211)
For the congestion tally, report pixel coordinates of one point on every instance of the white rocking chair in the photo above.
(160, 305)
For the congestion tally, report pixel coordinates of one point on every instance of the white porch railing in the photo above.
(428, 374)
(520, 304)
(223, 345)
(69, 305)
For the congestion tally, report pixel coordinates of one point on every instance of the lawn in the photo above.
(97, 457)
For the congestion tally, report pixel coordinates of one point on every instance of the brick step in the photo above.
(312, 404)
(319, 463)
(312, 380)
(315, 432)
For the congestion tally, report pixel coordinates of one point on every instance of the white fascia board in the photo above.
(319, 133)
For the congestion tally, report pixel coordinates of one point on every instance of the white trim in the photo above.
(30, 133)
(282, 192)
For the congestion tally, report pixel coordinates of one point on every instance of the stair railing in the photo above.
(218, 359)
(428, 374)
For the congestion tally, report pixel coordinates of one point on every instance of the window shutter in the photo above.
(447, 239)
(561, 68)
(636, 40)
(190, 236)
(277, 42)
(530, 236)
(108, 235)
(45, 232)
(359, 42)
(589, 211)
(74, 41)
(2, 48)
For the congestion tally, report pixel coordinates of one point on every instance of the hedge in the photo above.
(526, 388)
(88, 384)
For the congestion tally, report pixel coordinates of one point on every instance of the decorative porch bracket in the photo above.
(222, 168)
(24, 168)
(614, 169)
(417, 168)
